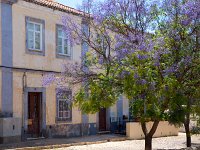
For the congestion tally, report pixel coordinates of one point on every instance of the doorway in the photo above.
(34, 113)
(102, 119)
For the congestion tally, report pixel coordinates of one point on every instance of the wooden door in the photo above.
(34, 113)
(102, 119)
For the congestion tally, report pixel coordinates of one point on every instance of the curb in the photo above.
(72, 144)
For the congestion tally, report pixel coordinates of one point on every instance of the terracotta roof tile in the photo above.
(55, 5)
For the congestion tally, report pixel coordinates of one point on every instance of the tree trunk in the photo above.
(187, 125)
(148, 143)
(187, 131)
(149, 136)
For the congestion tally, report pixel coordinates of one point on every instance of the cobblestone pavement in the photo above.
(175, 142)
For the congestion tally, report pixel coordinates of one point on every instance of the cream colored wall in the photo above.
(51, 17)
(134, 130)
(34, 80)
(48, 62)
(17, 94)
(92, 118)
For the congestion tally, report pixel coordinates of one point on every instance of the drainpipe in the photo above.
(24, 85)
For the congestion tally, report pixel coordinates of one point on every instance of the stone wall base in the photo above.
(11, 139)
(71, 130)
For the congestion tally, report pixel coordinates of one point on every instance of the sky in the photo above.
(71, 3)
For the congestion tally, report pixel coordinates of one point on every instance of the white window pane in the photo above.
(60, 32)
(59, 45)
(66, 49)
(30, 26)
(37, 27)
(37, 41)
(30, 35)
(30, 39)
(37, 45)
(59, 41)
(60, 49)
(30, 44)
(66, 42)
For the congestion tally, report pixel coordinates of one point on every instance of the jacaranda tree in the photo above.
(180, 26)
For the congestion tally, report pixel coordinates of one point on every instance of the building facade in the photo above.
(32, 44)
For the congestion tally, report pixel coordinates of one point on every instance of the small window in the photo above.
(63, 43)
(34, 38)
(64, 108)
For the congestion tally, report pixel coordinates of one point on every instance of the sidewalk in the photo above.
(63, 142)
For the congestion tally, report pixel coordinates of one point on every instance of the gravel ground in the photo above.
(175, 142)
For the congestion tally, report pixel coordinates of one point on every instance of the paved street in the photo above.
(100, 142)
(176, 142)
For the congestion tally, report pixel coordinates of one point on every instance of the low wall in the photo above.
(134, 130)
(10, 130)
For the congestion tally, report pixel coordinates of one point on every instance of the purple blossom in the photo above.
(143, 96)
(101, 60)
(177, 38)
(186, 22)
(142, 47)
(152, 85)
(124, 73)
(48, 79)
(122, 53)
(142, 57)
(157, 63)
(136, 76)
(192, 11)
(170, 70)
(142, 82)
(64, 93)
(125, 51)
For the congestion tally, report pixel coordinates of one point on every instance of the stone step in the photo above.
(103, 132)
(37, 138)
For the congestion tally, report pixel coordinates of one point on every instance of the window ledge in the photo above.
(63, 56)
(58, 120)
(35, 52)
(67, 55)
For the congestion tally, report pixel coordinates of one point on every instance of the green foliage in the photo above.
(177, 109)
(195, 130)
(96, 95)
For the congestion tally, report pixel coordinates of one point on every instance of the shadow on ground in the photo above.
(62, 142)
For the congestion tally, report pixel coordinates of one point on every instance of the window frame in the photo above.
(34, 39)
(69, 103)
(41, 23)
(69, 47)
(58, 99)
